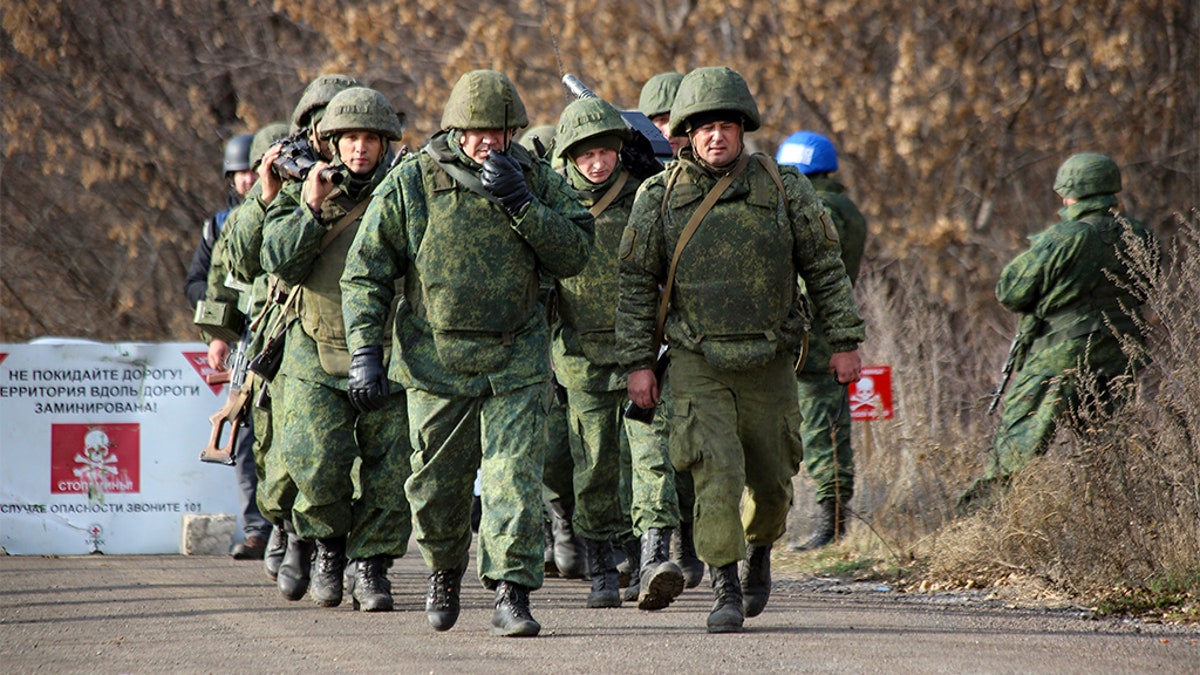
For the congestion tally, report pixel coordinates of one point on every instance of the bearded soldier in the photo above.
(1073, 291)
(727, 234)
(469, 222)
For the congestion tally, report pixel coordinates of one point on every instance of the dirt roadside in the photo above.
(153, 614)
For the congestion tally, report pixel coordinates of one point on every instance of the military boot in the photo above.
(568, 552)
(295, 568)
(328, 567)
(633, 561)
(276, 547)
(605, 590)
(683, 553)
(441, 603)
(370, 589)
(831, 522)
(727, 614)
(512, 617)
(661, 581)
(756, 579)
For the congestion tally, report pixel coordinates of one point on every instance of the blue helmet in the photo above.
(808, 151)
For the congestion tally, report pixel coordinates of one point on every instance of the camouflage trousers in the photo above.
(276, 489)
(737, 431)
(595, 434)
(320, 439)
(825, 431)
(558, 474)
(504, 435)
(650, 486)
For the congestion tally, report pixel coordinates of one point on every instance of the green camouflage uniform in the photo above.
(733, 325)
(323, 434)
(823, 401)
(1071, 286)
(472, 344)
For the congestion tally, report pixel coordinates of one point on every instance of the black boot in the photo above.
(831, 522)
(568, 552)
(512, 617)
(370, 589)
(756, 579)
(727, 614)
(551, 567)
(633, 562)
(605, 590)
(441, 603)
(295, 568)
(683, 552)
(661, 580)
(276, 546)
(328, 567)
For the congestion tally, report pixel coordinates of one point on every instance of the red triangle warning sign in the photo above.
(199, 361)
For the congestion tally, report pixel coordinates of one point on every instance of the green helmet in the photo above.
(713, 89)
(265, 138)
(1087, 174)
(483, 99)
(588, 118)
(317, 95)
(658, 94)
(360, 108)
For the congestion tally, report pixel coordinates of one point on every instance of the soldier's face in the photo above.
(360, 150)
(596, 164)
(477, 143)
(243, 180)
(717, 143)
(663, 122)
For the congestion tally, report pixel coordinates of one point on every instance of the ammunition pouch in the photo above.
(221, 320)
(266, 362)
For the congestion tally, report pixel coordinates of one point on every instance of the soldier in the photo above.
(468, 222)
(589, 138)
(288, 559)
(732, 319)
(824, 405)
(655, 102)
(309, 228)
(1072, 290)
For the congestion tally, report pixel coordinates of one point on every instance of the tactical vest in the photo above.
(474, 280)
(735, 285)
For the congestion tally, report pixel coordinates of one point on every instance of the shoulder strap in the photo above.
(610, 195)
(693, 224)
(462, 176)
(345, 221)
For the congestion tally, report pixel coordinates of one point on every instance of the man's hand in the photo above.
(218, 353)
(316, 187)
(503, 178)
(643, 388)
(368, 386)
(267, 178)
(846, 366)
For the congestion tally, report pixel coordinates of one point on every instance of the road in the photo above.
(210, 614)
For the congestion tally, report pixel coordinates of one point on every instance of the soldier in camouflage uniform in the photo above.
(658, 93)
(1071, 289)
(590, 135)
(276, 490)
(733, 323)
(824, 404)
(308, 230)
(468, 222)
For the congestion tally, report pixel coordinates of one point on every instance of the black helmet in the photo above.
(237, 153)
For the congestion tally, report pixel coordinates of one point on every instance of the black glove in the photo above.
(368, 388)
(502, 176)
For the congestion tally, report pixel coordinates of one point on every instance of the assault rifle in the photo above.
(1027, 329)
(649, 150)
(297, 157)
(232, 416)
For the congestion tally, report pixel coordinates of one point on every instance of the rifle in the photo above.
(649, 150)
(634, 411)
(234, 412)
(1027, 329)
(297, 157)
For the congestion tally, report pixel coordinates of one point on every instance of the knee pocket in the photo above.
(685, 441)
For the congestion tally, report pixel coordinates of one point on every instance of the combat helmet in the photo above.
(809, 152)
(1087, 174)
(237, 153)
(588, 118)
(317, 95)
(658, 94)
(713, 89)
(480, 99)
(360, 108)
(264, 138)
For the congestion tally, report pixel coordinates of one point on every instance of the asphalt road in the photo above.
(156, 614)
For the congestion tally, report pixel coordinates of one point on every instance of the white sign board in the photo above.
(100, 445)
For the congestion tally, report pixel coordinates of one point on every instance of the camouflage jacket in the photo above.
(734, 296)
(585, 345)
(1074, 280)
(852, 231)
(470, 322)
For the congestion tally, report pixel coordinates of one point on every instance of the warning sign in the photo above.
(871, 396)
